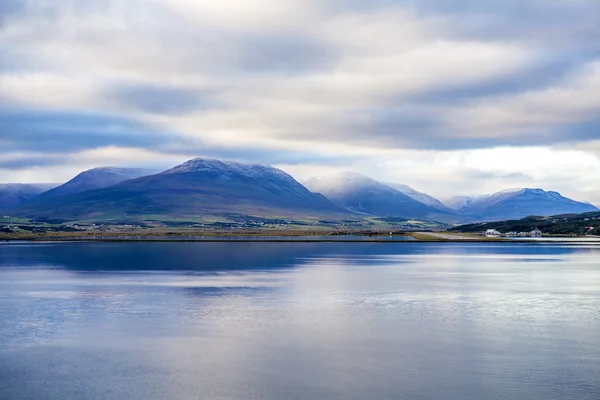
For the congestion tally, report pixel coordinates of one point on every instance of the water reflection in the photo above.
(195, 256)
(299, 320)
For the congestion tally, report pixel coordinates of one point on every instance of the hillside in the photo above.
(520, 203)
(421, 197)
(195, 189)
(367, 196)
(96, 178)
(457, 203)
(14, 194)
(565, 224)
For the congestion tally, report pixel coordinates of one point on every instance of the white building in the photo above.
(492, 232)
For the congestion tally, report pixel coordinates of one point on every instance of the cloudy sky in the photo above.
(448, 96)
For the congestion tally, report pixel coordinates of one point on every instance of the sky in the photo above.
(452, 97)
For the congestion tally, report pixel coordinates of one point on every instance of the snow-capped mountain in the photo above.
(519, 203)
(421, 197)
(195, 188)
(365, 195)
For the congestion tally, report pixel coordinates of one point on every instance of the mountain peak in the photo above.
(96, 178)
(219, 167)
(510, 191)
(195, 188)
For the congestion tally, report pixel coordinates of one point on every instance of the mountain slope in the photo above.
(520, 203)
(362, 194)
(421, 197)
(564, 224)
(96, 178)
(457, 203)
(198, 187)
(14, 194)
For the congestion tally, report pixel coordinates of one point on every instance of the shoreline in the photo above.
(417, 237)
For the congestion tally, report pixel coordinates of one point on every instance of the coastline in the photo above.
(283, 237)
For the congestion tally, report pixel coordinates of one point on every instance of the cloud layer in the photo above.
(400, 88)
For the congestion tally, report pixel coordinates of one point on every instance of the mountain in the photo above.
(96, 178)
(519, 203)
(421, 197)
(196, 188)
(365, 195)
(14, 194)
(457, 203)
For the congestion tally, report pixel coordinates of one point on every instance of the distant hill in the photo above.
(519, 203)
(196, 188)
(421, 197)
(14, 194)
(365, 195)
(96, 178)
(564, 224)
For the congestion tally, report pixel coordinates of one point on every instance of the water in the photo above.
(299, 321)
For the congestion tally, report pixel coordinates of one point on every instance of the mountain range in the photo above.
(200, 188)
(196, 188)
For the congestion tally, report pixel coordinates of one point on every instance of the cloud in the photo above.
(60, 132)
(304, 83)
(570, 171)
(158, 99)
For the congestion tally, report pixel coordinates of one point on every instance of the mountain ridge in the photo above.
(96, 178)
(365, 195)
(14, 194)
(196, 188)
(519, 203)
(203, 186)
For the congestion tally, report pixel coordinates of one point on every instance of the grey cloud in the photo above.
(160, 100)
(547, 71)
(475, 174)
(61, 132)
(56, 135)
(29, 161)
(10, 8)
(287, 55)
(567, 31)
(574, 24)
(420, 126)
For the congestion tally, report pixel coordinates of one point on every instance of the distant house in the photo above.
(492, 232)
(536, 233)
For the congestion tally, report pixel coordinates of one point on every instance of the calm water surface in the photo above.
(299, 321)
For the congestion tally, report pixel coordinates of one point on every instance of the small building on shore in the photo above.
(492, 232)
